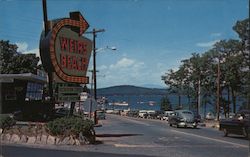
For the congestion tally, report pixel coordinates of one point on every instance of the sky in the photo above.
(150, 36)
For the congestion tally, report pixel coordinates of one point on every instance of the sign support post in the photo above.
(50, 74)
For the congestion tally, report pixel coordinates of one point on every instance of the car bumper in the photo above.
(186, 124)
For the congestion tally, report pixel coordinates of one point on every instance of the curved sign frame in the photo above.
(78, 47)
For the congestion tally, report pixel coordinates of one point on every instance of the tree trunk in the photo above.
(228, 101)
(179, 100)
(189, 102)
(197, 102)
(72, 107)
(234, 100)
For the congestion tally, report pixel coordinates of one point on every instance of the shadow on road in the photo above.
(117, 135)
(238, 137)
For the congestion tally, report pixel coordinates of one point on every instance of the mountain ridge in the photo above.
(130, 90)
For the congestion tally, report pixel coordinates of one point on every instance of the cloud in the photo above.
(207, 44)
(22, 47)
(124, 71)
(123, 63)
(215, 34)
(127, 71)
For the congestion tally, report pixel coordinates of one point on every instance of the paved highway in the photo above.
(126, 136)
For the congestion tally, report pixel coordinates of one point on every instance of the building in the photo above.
(17, 90)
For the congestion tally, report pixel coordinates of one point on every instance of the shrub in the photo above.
(6, 122)
(70, 126)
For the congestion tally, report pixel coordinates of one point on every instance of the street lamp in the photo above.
(107, 47)
(94, 65)
(94, 32)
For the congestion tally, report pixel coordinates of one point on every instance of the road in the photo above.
(126, 136)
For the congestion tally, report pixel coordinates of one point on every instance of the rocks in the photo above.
(6, 137)
(15, 138)
(67, 141)
(31, 139)
(44, 139)
(51, 140)
(23, 139)
(77, 142)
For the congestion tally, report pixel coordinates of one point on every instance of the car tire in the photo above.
(195, 127)
(245, 133)
(225, 132)
(170, 125)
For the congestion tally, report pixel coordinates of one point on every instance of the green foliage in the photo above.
(70, 126)
(201, 70)
(165, 104)
(242, 28)
(6, 122)
(14, 62)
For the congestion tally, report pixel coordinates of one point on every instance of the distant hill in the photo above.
(153, 86)
(130, 90)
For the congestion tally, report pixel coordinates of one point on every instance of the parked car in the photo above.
(151, 114)
(109, 111)
(167, 114)
(143, 114)
(100, 114)
(197, 118)
(239, 125)
(182, 118)
(61, 112)
(64, 112)
(159, 114)
(133, 113)
(124, 113)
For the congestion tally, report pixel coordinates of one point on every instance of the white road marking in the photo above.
(135, 146)
(212, 139)
(164, 146)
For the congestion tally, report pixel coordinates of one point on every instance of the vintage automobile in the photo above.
(239, 124)
(100, 115)
(167, 114)
(182, 118)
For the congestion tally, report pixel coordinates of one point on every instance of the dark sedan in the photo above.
(182, 118)
(240, 124)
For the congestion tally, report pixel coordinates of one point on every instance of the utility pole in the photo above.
(45, 17)
(199, 96)
(46, 30)
(218, 92)
(94, 56)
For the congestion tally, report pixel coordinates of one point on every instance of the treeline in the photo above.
(217, 76)
(14, 62)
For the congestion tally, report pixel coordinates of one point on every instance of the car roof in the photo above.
(243, 112)
(183, 111)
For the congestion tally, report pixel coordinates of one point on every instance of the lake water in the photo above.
(152, 102)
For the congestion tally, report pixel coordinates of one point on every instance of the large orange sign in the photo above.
(65, 52)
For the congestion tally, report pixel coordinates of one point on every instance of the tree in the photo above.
(165, 104)
(243, 28)
(13, 62)
(197, 77)
(230, 66)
